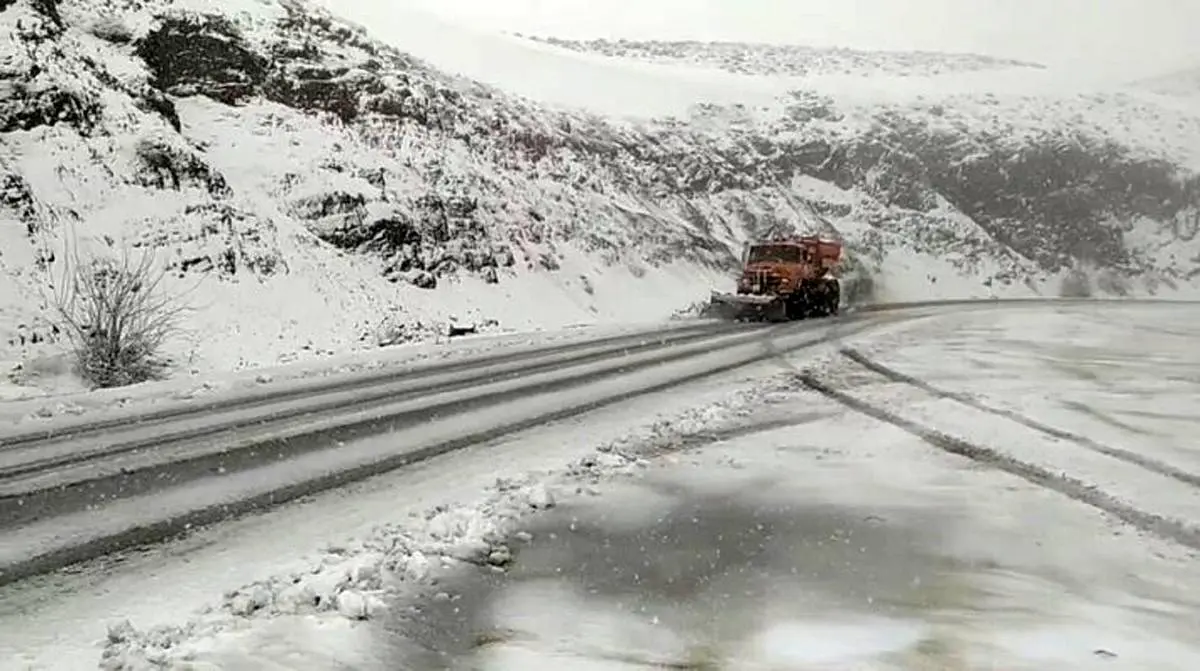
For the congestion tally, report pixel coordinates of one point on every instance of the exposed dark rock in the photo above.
(424, 280)
(315, 89)
(48, 9)
(16, 197)
(385, 235)
(165, 167)
(202, 55)
(112, 30)
(27, 105)
(1053, 200)
(216, 238)
(434, 236)
(335, 204)
(155, 101)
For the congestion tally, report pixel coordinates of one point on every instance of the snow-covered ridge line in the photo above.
(1183, 84)
(790, 60)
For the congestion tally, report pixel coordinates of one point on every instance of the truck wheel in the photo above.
(819, 303)
(797, 305)
(834, 298)
(793, 308)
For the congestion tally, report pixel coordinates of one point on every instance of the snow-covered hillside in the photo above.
(316, 188)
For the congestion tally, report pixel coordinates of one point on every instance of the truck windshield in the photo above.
(775, 254)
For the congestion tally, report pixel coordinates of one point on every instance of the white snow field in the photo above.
(1061, 536)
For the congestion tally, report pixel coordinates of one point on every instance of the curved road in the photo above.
(89, 489)
(92, 489)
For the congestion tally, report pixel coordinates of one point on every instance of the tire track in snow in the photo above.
(154, 516)
(60, 447)
(1128, 456)
(33, 486)
(303, 388)
(697, 439)
(1073, 488)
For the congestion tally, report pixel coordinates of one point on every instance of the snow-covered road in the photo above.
(303, 533)
(850, 542)
(862, 538)
(66, 501)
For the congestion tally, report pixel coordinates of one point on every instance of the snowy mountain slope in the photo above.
(313, 186)
(268, 201)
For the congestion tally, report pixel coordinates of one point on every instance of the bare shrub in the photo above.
(118, 317)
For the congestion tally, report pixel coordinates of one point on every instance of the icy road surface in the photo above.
(32, 411)
(1016, 494)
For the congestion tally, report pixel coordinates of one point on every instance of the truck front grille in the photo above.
(762, 282)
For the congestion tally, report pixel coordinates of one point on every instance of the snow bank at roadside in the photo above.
(41, 409)
(238, 327)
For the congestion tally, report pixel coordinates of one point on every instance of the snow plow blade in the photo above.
(745, 307)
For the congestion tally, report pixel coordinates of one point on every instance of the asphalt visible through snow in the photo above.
(684, 587)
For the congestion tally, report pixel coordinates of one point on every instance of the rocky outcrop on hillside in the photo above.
(238, 137)
(748, 58)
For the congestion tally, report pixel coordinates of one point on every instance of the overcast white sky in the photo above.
(1123, 36)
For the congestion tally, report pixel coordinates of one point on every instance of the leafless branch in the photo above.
(118, 317)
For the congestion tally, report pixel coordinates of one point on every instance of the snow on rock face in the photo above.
(1077, 177)
(314, 181)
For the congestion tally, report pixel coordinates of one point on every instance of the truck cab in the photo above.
(790, 277)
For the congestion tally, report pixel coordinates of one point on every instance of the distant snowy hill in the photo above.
(1184, 83)
(317, 189)
(787, 59)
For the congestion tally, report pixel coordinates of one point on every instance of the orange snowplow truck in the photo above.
(785, 278)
